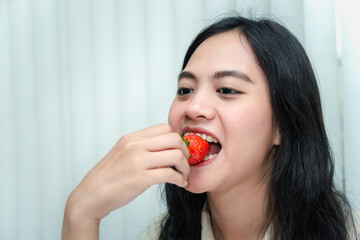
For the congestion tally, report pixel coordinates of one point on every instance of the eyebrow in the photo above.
(233, 73)
(186, 74)
(219, 74)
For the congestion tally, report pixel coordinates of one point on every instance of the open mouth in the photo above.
(215, 146)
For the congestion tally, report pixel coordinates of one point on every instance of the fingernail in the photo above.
(185, 183)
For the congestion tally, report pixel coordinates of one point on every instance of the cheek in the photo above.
(250, 138)
(174, 116)
(251, 125)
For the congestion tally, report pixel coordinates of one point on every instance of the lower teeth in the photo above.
(208, 157)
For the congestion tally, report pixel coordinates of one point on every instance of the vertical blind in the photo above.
(77, 75)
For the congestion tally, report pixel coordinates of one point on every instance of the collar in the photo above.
(206, 229)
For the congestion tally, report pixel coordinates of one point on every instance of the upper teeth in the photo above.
(203, 136)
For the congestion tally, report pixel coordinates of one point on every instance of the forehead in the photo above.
(225, 51)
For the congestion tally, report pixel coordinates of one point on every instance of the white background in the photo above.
(75, 75)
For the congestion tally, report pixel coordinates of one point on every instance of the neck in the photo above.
(239, 212)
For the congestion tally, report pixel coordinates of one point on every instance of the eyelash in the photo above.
(225, 91)
(180, 91)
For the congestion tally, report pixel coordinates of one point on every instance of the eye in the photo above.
(184, 91)
(227, 91)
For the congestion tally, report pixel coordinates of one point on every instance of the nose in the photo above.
(200, 107)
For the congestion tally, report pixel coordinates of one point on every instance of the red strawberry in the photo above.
(198, 148)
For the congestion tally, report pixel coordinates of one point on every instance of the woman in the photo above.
(249, 85)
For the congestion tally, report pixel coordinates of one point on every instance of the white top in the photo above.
(152, 233)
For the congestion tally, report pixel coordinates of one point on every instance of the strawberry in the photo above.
(198, 148)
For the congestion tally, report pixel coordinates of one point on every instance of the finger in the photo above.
(166, 141)
(168, 158)
(158, 129)
(162, 175)
(137, 137)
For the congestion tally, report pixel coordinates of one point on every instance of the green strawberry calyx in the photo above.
(187, 142)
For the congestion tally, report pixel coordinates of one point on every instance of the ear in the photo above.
(277, 136)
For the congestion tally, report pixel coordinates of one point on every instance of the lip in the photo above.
(198, 130)
(205, 163)
(201, 130)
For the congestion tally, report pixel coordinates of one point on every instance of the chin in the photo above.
(196, 186)
(195, 190)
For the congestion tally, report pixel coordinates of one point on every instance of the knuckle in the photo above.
(131, 145)
(125, 139)
(171, 174)
(178, 154)
(166, 127)
(177, 138)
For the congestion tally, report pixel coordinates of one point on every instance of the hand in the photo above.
(136, 162)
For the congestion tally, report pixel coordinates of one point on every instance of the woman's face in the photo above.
(223, 93)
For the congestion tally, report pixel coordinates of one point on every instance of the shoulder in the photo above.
(355, 227)
(153, 230)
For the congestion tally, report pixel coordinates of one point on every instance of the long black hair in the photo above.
(303, 202)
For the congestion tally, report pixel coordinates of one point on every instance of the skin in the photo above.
(137, 161)
(235, 109)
